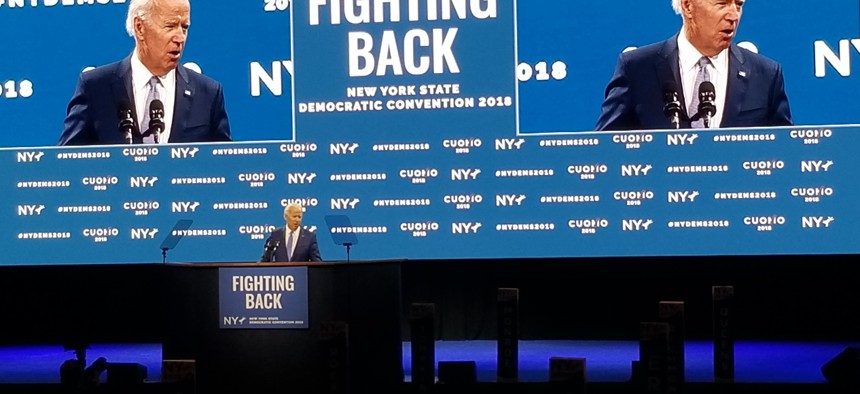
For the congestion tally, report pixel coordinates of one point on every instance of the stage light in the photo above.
(844, 369)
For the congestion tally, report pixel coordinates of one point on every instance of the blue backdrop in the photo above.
(565, 52)
(477, 113)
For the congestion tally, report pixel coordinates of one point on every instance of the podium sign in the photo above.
(265, 297)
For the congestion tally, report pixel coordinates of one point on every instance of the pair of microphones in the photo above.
(672, 104)
(269, 250)
(156, 120)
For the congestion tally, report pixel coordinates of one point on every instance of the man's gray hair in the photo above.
(676, 5)
(293, 204)
(137, 8)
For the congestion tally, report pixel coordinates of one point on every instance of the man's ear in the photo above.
(687, 7)
(138, 28)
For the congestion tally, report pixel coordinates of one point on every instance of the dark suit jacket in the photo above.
(92, 117)
(634, 95)
(306, 247)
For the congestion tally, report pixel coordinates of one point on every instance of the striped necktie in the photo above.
(701, 76)
(152, 94)
(290, 247)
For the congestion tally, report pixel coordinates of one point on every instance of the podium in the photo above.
(365, 296)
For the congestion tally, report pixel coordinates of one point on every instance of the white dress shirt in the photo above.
(688, 57)
(140, 77)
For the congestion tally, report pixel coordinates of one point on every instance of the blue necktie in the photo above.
(290, 247)
(150, 96)
(701, 76)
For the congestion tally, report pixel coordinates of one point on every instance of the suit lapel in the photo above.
(123, 90)
(283, 238)
(736, 86)
(299, 239)
(668, 70)
(182, 106)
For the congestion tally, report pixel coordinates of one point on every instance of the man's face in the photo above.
(161, 37)
(293, 218)
(712, 24)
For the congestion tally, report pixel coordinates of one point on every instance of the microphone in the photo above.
(156, 118)
(269, 250)
(672, 106)
(707, 108)
(272, 252)
(126, 122)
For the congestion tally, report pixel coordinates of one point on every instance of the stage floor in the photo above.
(606, 361)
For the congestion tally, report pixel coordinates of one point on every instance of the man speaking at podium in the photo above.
(292, 242)
(697, 78)
(146, 97)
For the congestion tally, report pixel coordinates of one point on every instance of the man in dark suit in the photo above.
(194, 109)
(749, 88)
(292, 242)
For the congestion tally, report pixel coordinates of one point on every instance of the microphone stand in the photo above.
(347, 244)
(126, 122)
(673, 110)
(271, 256)
(706, 119)
(672, 106)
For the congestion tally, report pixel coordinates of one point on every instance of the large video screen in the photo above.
(438, 129)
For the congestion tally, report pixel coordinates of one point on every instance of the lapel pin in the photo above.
(742, 74)
(188, 93)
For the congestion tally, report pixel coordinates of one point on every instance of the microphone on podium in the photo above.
(707, 107)
(156, 119)
(269, 250)
(672, 104)
(274, 248)
(126, 122)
